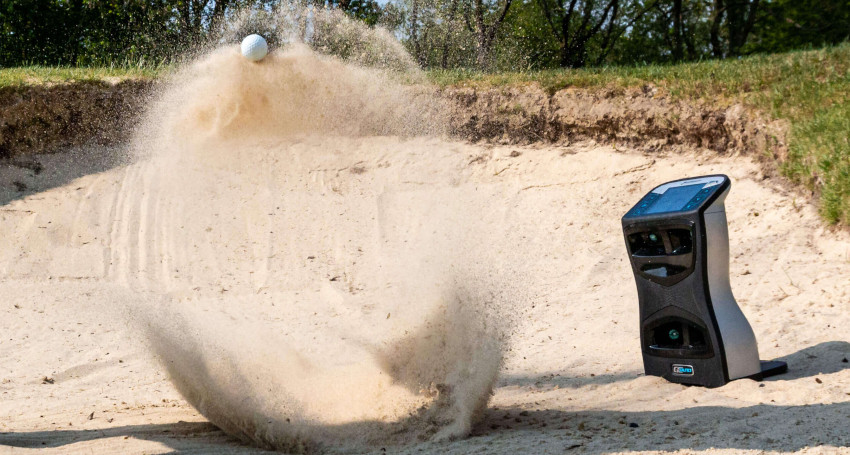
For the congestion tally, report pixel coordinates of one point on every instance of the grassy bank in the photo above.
(45, 75)
(809, 89)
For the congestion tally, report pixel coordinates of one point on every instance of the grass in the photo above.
(809, 89)
(47, 75)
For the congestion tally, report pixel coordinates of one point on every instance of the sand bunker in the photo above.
(321, 272)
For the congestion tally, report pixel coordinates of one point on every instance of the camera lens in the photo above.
(673, 334)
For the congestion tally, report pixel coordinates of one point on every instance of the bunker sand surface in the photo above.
(321, 251)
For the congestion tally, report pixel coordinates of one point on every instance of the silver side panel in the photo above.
(739, 341)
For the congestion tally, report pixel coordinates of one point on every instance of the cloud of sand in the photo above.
(431, 382)
(453, 356)
(428, 375)
(224, 98)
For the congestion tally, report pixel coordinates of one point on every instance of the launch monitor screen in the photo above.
(674, 199)
(677, 196)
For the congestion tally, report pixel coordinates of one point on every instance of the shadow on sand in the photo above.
(26, 175)
(823, 358)
(757, 427)
(183, 437)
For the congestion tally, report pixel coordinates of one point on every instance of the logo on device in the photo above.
(683, 370)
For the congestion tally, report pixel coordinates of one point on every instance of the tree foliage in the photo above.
(484, 34)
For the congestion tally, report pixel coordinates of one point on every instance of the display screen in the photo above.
(679, 196)
(674, 199)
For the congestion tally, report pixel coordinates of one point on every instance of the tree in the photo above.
(731, 24)
(677, 21)
(483, 20)
(486, 34)
(785, 25)
(678, 35)
(667, 31)
(34, 32)
(574, 23)
(587, 31)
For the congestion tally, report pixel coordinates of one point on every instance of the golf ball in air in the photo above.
(254, 48)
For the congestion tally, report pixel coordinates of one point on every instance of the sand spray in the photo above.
(393, 332)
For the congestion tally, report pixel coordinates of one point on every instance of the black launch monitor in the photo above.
(691, 328)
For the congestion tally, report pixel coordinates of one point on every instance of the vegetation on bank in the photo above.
(809, 89)
(47, 75)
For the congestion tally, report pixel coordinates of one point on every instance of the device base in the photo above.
(770, 368)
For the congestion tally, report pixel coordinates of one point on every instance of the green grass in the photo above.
(809, 89)
(47, 75)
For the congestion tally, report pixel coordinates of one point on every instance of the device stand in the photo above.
(770, 368)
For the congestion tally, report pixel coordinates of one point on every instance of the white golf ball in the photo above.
(254, 48)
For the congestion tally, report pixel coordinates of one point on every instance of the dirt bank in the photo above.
(47, 119)
(642, 118)
(37, 119)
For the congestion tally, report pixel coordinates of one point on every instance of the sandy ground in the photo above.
(305, 242)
